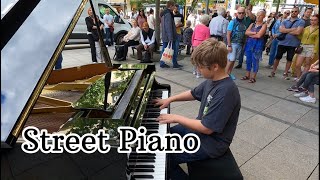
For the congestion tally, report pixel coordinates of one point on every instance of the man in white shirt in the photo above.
(218, 25)
(150, 19)
(108, 24)
(147, 38)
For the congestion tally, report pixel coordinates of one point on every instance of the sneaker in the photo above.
(292, 88)
(269, 66)
(180, 65)
(232, 77)
(194, 72)
(295, 79)
(308, 99)
(300, 94)
(238, 66)
(164, 66)
(198, 76)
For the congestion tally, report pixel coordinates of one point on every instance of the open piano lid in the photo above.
(29, 55)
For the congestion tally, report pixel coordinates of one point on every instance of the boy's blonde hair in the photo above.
(209, 52)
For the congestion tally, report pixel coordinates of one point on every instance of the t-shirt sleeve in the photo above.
(198, 91)
(230, 26)
(301, 23)
(219, 110)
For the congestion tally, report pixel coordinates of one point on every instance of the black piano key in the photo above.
(143, 176)
(141, 160)
(142, 170)
(146, 154)
(142, 157)
(141, 166)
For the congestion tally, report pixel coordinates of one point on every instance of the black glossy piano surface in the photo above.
(120, 97)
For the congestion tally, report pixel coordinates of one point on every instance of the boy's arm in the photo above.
(185, 96)
(193, 124)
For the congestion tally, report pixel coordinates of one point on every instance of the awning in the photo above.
(312, 1)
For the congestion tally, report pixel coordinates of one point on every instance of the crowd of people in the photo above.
(246, 35)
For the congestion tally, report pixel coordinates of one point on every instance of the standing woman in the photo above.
(310, 44)
(201, 32)
(92, 33)
(141, 18)
(255, 45)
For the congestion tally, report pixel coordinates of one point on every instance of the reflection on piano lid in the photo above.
(29, 56)
(94, 97)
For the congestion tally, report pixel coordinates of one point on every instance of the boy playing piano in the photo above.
(219, 110)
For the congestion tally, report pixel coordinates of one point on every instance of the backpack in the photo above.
(119, 53)
(146, 57)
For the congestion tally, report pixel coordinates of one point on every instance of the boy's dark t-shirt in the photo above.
(219, 111)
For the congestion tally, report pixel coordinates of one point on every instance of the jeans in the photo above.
(59, 62)
(109, 35)
(174, 58)
(175, 172)
(309, 79)
(273, 51)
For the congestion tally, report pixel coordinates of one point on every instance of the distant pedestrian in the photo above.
(254, 46)
(169, 33)
(218, 25)
(58, 64)
(92, 32)
(151, 20)
(187, 35)
(235, 40)
(141, 18)
(293, 27)
(109, 28)
(201, 33)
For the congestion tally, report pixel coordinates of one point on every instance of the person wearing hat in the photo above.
(147, 38)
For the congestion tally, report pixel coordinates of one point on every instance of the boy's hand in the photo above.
(168, 118)
(163, 103)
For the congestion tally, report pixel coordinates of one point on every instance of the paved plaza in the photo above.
(277, 135)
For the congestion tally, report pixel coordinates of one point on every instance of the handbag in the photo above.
(167, 53)
(298, 50)
(282, 36)
(146, 57)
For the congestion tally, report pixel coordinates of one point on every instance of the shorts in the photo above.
(236, 51)
(285, 49)
(307, 50)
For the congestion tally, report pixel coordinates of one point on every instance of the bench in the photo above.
(224, 167)
(181, 47)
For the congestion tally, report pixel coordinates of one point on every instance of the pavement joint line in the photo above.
(313, 171)
(256, 112)
(307, 105)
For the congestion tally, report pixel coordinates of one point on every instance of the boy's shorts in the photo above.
(236, 51)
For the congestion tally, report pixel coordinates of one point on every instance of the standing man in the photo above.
(169, 34)
(108, 24)
(179, 22)
(218, 25)
(293, 27)
(151, 20)
(235, 39)
(306, 18)
(275, 33)
(248, 19)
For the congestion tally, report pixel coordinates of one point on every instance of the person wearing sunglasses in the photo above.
(249, 18)
(306, 17)
(235, 39)
(292, 27)
(275, 33)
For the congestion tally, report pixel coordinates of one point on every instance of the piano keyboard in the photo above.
(144, 166)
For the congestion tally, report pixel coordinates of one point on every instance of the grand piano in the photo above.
(74, 100)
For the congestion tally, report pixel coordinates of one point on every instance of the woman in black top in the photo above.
(92, 33)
